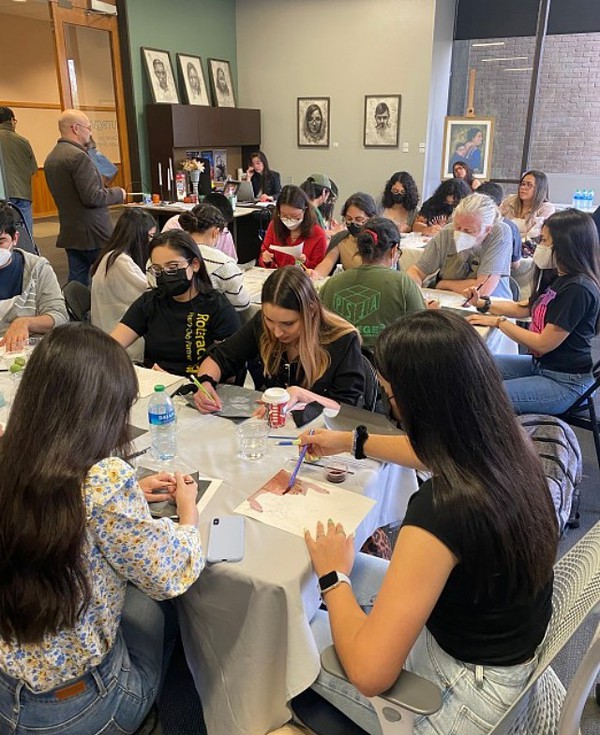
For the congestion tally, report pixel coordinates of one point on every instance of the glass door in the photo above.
(90, 79)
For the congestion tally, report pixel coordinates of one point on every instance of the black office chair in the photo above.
(582, 413)
(25, 237)
(371, 392)
(78, 300)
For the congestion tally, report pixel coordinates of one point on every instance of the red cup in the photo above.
(275, 400)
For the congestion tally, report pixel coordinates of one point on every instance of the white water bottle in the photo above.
(162, 420)
(591, 196)
(576, 199)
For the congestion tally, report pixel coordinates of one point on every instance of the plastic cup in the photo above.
(252, 437)
(336, 471)
(275, 400)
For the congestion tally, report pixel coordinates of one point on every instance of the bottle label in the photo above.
(160, 419)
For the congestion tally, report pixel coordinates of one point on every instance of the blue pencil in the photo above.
(292, 443)
(294, 474)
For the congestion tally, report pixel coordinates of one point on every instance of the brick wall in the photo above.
(566, 136)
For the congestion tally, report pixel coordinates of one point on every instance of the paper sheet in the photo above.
(294, 250)
(305, 504)
(147, 379)
(207, 487)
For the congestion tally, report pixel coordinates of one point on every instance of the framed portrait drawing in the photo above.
(220, 80)
(160, 75)
(382, 121)
(468, 140)
(313, 122)
(196, 91)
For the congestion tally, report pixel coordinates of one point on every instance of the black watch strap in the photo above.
(360, 437)
(487, 302)
(206, 378)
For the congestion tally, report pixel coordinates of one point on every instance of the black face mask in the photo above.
(399, 198)
(353, 228)
(173, 285)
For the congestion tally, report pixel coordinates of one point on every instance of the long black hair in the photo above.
(437, 205)
(461, 425)
(130, 237)
(378, 236)
(183, 244)
(70, 411)
(410, 187)
(293, 196)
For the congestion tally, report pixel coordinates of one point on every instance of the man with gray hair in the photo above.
(19, 165)
(81, 197)
(474, 250)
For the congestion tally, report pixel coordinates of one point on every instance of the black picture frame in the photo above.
(187, 64)
(313, 122)
(222, 89)
(161, 94)
(381, 126)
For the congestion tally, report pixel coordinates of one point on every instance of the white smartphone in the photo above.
(226, 539)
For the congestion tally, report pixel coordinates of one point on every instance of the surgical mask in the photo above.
(5, 256)
(398, 198)
(354, 228)
(464, 241)
(291, 224)
(543, 257)
(174, 284)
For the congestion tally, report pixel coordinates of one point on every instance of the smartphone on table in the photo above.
(226, 539)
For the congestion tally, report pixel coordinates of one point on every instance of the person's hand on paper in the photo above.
(186, 492)
(301, 258)
(157, 367)
(331, 549)
(265, 198)
(471, 295)
(16, 335)
(266, 257)
(207, 400)
(323, 442)
(159, 487)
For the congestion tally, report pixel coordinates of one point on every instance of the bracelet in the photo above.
(358, 444)
(206, 378)
(487, 302)
(500, 320)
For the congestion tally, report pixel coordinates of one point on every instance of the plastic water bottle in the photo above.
(576, 199)
(589, 201)
(162, 420)
(584, 200)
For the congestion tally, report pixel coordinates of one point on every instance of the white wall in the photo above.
(342, 49)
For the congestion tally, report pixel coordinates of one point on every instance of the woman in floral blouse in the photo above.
(81, 651)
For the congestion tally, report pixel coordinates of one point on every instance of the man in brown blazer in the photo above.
(81, 197)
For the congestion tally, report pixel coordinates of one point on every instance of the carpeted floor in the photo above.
(180, 708)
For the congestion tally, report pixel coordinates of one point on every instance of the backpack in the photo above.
(559, 451)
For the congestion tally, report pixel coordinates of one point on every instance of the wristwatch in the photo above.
(331, 580)
(487, 302)
(358, 442)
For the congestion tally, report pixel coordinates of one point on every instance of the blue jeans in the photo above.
(533, 389)
(474, 698)
(25, 207)
(112, 698)
(80, 262)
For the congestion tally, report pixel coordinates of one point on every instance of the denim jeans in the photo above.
(24, 206)
(80, 262)
(474, 698)
(533, 389)
(110, 699)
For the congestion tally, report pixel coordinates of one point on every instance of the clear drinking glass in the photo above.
(252, 436)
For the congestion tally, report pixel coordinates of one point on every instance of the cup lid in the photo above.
(276, 395)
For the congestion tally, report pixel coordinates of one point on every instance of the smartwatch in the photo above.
(331, 580)
(358, 444)
(487, 302)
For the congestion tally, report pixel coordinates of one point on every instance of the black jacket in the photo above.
(271, 187)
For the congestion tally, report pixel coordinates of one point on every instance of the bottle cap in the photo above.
(276, 395)
(158, 388)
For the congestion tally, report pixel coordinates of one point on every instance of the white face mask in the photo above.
(5, 256)
(291, 224)
(464, 241)
(543, 257)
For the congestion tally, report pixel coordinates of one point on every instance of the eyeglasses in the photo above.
(526, 185)
(169, 270)
(81, 125)
(357, 221)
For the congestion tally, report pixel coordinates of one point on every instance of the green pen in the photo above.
(199, 385)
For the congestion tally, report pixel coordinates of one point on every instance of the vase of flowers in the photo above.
(194, 168)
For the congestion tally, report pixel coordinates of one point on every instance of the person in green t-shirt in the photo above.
(373, 295)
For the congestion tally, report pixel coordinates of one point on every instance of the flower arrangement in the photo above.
(192, 164)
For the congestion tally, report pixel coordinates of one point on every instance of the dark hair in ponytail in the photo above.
(377, 238)
(201, 218)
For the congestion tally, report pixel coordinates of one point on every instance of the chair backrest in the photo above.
(576, 593)
(25, 238)
(78, 300)
(515, 289)
(371, 385)
(582, 682)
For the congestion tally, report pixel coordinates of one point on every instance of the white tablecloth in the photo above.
(245, 626)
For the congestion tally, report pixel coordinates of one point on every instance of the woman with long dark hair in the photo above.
(342, 247)
(299, 345)
(81, 642)
(529, 207)
(182, 317)
(463, 171)
(119, 274)
(466, 599)
(400, 199)
(294, 223)
(437, 211)
(266, 183)
(564, 310)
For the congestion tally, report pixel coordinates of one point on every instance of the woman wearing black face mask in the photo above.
(399, 200)
(183, 315)
(342, 247)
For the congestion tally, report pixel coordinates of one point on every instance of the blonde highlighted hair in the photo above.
(291, 288)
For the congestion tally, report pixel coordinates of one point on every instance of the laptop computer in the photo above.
(349, 417)
(245, 193)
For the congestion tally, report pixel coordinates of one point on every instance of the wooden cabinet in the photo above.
(173, 129)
